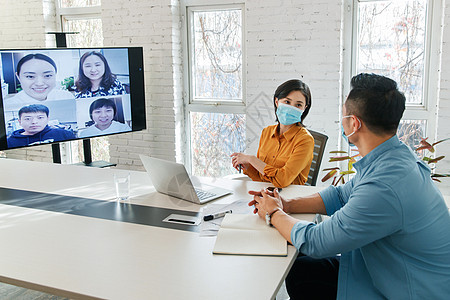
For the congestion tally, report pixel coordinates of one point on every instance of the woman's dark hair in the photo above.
(83, 83)
(289, 86)
(34, 56)
(377, 101)
(101, 103)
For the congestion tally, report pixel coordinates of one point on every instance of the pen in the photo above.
(217, 215)
(240, 168)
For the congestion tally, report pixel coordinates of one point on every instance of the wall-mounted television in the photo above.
(61, 94)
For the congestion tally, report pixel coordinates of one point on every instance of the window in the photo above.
(214, 136)
(411, 132)
(89, 31)
(395, 39)
(215, 102)
(79, 3)
(83, 17)
(391, 41)
(217, 55)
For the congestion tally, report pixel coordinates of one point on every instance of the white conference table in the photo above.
(91, 258)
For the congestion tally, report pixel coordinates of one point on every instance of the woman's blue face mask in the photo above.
(288, 114)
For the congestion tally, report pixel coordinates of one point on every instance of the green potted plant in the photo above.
(338, 175)
(425, 146)
(68, 83)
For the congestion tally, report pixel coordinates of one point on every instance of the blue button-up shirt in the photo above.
(391, 225)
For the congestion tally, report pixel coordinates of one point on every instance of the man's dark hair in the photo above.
(100, 103)
(293, 85)
(34, 108)
(377, 101)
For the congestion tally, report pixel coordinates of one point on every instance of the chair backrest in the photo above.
(320, 140)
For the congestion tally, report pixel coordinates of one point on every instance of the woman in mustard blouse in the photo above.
(286, 149)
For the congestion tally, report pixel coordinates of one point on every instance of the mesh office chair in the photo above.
(320, 140)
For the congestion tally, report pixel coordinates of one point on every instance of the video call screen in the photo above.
(55, 95)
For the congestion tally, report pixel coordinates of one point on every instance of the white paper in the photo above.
(248, 235)
(211, 228)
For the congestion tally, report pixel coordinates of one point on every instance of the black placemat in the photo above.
(108, 210)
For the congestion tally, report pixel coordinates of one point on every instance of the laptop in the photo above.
(172, 179)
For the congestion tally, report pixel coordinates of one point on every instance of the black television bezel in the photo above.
(137, 94)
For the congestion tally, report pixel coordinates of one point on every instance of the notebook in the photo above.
(248, 235)
(172, 179)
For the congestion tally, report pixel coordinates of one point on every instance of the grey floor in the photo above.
(282, 293)
(11, 292)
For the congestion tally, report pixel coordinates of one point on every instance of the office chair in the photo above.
(320, 141)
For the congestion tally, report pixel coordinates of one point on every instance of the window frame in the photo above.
(213, 105)
(428, 109)
(75, 13)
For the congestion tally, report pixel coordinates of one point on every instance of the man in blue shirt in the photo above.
(389, 223)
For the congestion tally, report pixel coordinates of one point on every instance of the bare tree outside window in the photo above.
(216, 76)
(391, 42)
(214, 138)
(90, 32)
(411, 132)
(217, 71)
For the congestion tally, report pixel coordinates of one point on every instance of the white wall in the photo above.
(23, 24)
(284, 40)
(154, 25)
(443, 128)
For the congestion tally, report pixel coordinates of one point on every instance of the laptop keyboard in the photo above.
(202, 195)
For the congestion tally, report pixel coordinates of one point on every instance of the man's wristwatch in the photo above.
(269, 216)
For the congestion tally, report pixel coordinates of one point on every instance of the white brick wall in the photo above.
(23, 24)
(49, 11)
(443, 127)
(154, 25)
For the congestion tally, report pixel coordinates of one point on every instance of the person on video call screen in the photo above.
(95, 78)
(35, 129)
(102, 112)
(37, 76)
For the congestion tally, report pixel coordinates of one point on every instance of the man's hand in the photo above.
(265, 201)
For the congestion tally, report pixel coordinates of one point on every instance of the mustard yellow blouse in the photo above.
(288, 156)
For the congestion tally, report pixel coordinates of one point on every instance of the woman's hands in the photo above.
(266, 201)
(240, 159)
